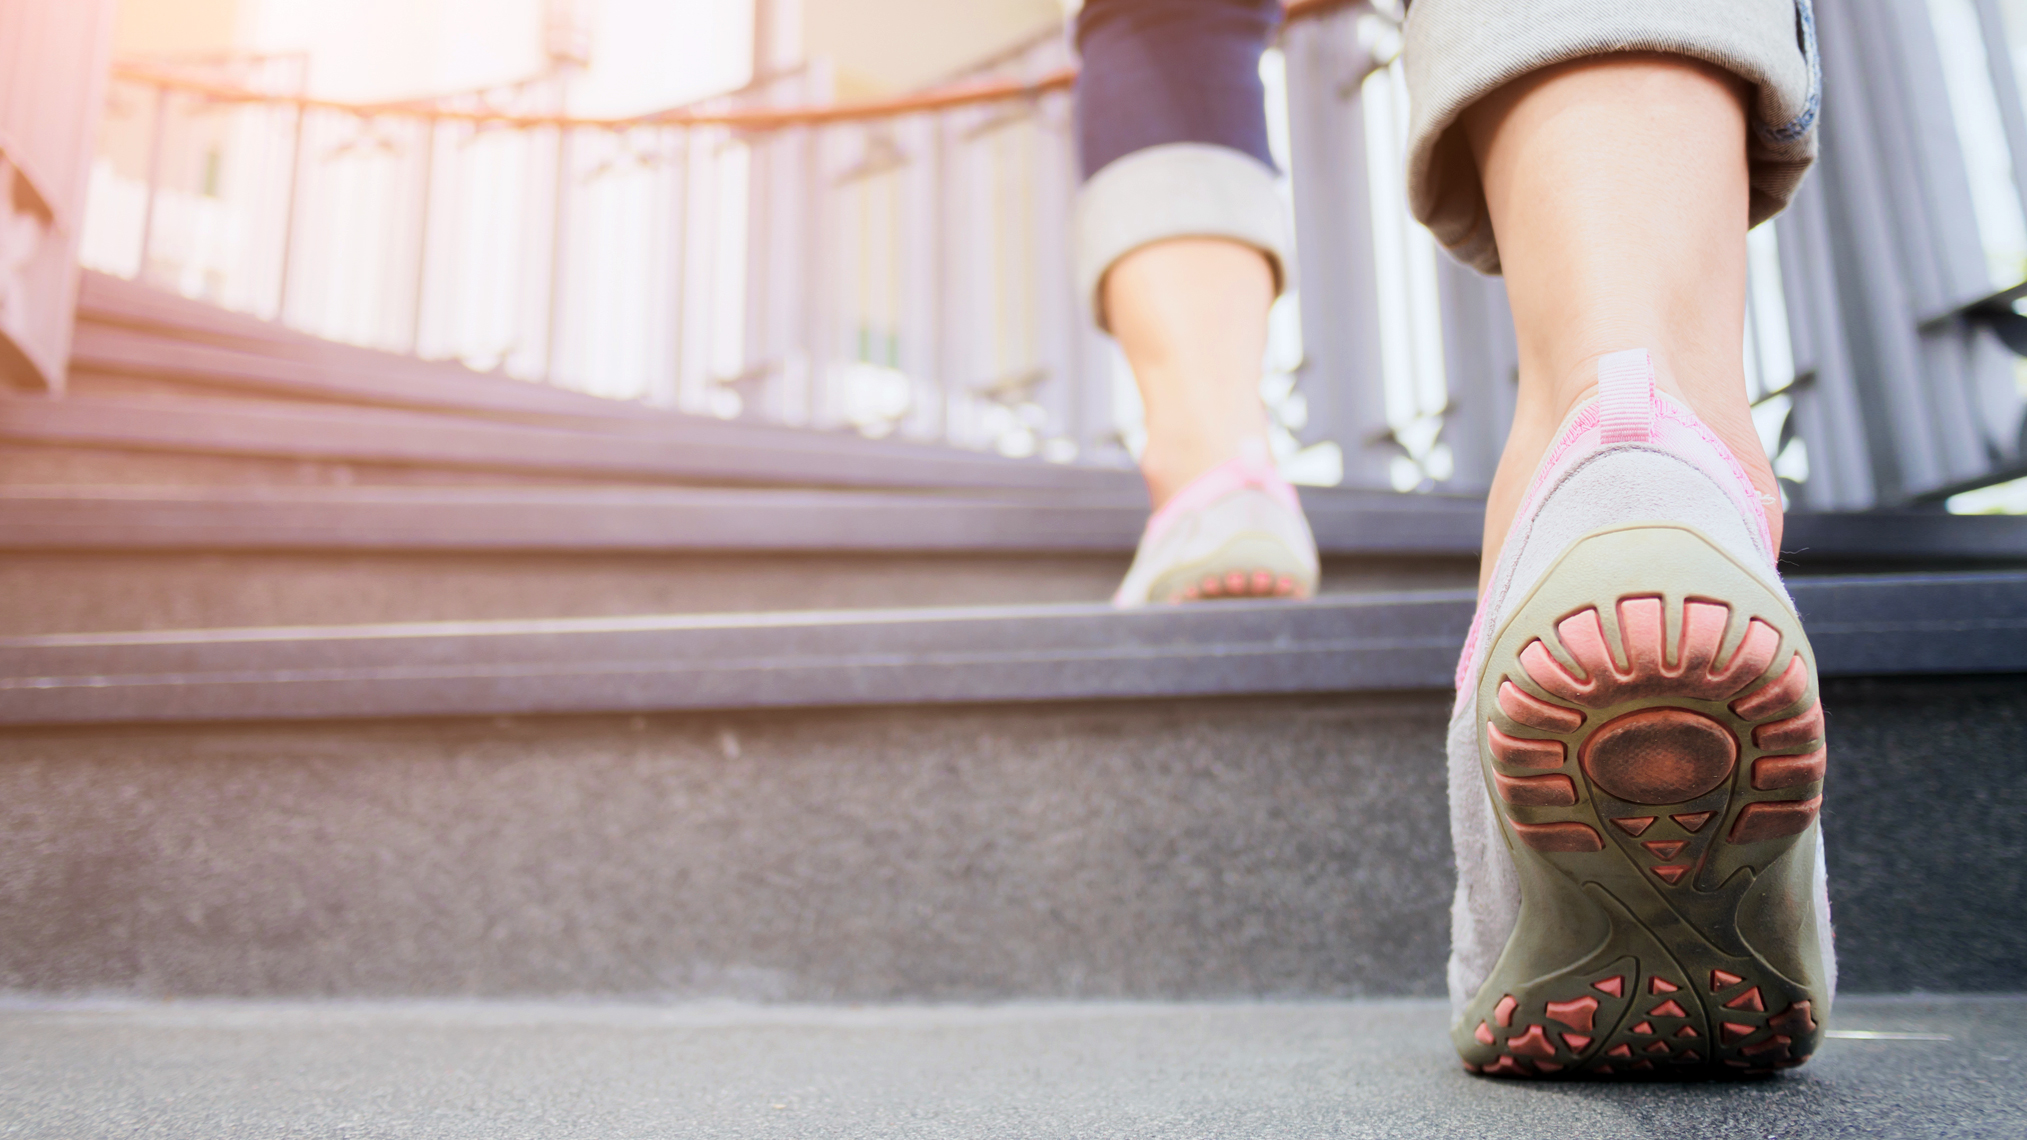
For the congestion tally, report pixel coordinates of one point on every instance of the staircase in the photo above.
(329, 674)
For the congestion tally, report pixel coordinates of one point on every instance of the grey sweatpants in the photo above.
(1459, 51)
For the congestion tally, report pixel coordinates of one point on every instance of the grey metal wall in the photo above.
(1905, 390)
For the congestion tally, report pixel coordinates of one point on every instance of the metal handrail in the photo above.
(763, 118)
(759, 118)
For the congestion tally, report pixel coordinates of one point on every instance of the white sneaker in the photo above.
(1236, 531)
(1636, 769)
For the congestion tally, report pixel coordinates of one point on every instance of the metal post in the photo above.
(2006, 85)
(156, 132)
(281, 301)
(557, 237)
(941, 241)
(422, 234)
(1342, 374)
(679, 260)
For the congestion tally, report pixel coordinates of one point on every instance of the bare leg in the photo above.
(1617, 188)
(1191, 315)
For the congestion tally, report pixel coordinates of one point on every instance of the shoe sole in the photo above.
(1245, 566)
(1652, 740)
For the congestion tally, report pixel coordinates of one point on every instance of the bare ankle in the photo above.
(1170, 464)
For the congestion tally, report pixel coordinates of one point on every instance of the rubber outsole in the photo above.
(1652, 742)
(1246, 566)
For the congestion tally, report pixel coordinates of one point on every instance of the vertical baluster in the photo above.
(558, 252)
(422, 234)
(944, 312)
(1057, 321)
(1342, 376)
(281, 300)
(679, 256)
(157, 130)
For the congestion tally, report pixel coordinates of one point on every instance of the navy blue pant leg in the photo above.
(1171, 71)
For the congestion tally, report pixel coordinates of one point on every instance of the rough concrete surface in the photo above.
(1211, 848)
(1290, 847)
(1381, 1069)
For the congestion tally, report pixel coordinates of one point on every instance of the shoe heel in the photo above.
(1653, 744)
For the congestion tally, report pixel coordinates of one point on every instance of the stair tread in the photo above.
(667, 447)
(1371, 641)
(656, 518)
(1268, 1069)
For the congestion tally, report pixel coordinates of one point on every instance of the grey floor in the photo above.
(1378, 1068)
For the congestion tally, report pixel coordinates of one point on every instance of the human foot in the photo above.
(1636, 768)
(1236, 531)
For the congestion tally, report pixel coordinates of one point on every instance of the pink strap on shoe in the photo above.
(1626, 397)
(1231, 475)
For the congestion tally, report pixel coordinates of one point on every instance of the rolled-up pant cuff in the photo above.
(1171, 191)
(1459, 51)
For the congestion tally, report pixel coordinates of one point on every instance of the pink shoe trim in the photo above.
(1227, 477)
(1631, 410)
(1626, 397)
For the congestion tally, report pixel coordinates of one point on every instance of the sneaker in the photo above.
(1236, 531)
(1636, 769)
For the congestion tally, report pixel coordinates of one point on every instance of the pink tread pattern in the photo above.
(1794, 734)
(1776, 819)
(1521, 752)
(1524, 708)
(1577, 1014)
(1659, 756)
(1748, 1000)
(1695, 671)
(1791, 686)
(1533, 1043)
(1771, 773)
(1795, 1020)
(1536, 791)
(1563, 837)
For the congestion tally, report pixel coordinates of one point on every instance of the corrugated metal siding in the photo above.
(53, 63)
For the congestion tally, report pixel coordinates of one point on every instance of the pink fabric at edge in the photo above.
(1219, 481)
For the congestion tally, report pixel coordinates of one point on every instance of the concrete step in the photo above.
(148, 555)
(651, 446)
(998, 846)
(152, 371)
(153, 557)
(1932, 1067)
(1966, 623)
(72, 591)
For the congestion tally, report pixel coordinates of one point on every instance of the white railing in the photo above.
(902, 268)
(894, 268)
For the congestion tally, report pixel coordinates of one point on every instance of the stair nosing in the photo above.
(1379, 641)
